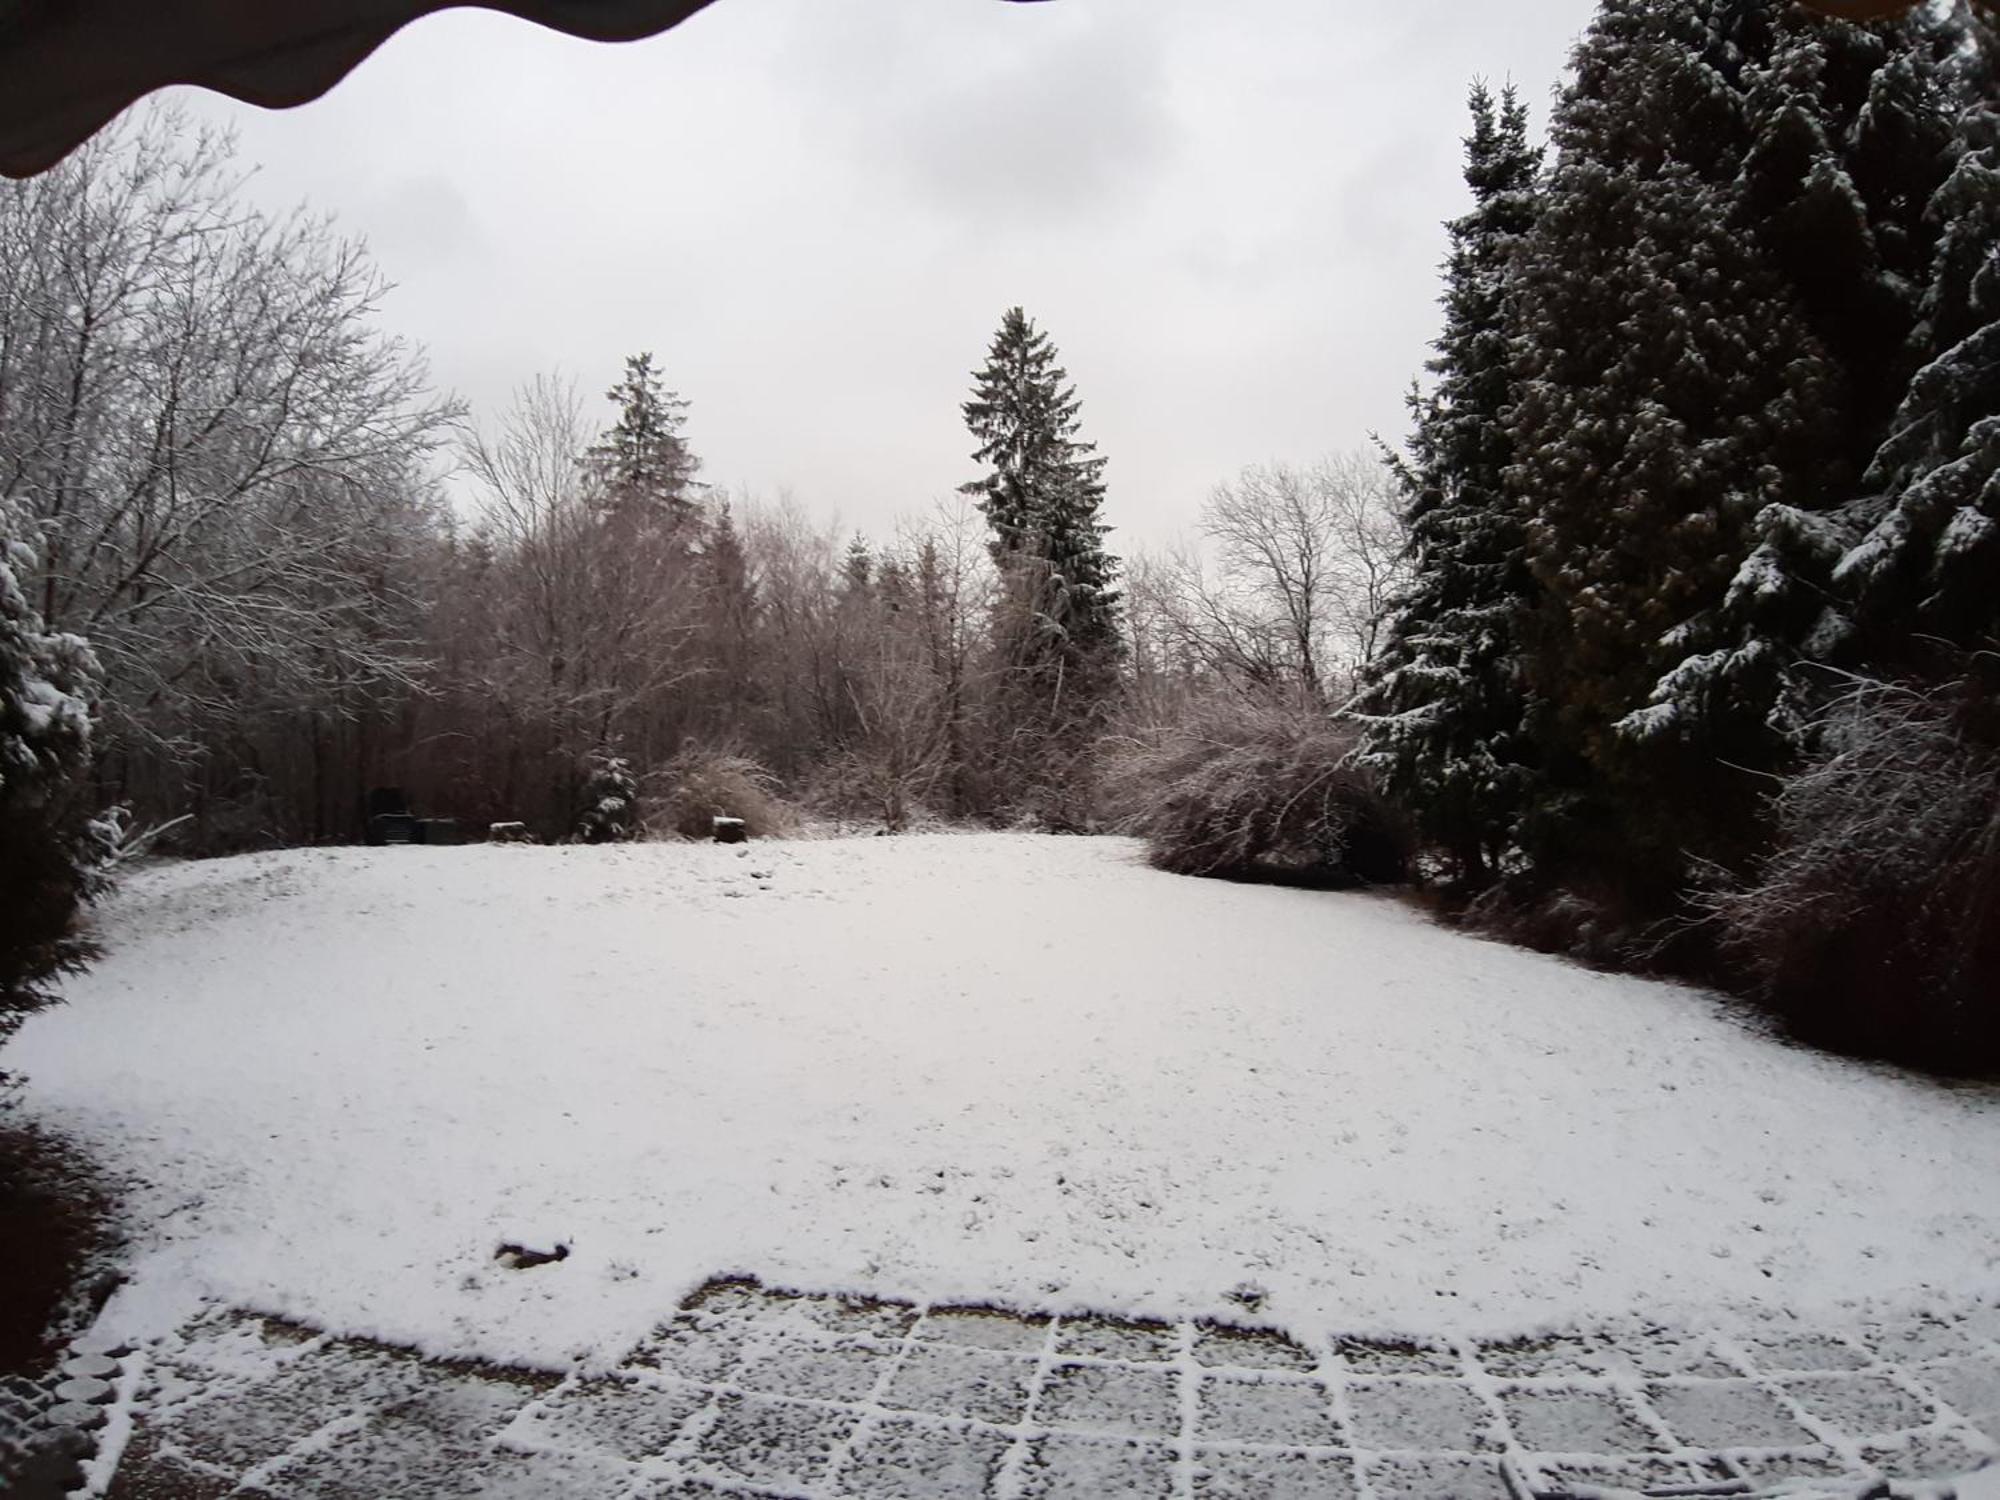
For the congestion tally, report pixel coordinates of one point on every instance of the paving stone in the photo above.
(954, 1382)
(1433, 1415)
(1768, 1468)
(1971, 1387)
(1665, 1354)
(1727, 1414)
(902, 1459)
(1921, 1339)
(1638, 1474)
(984, 1328)
(768, 1441)
(1928, 1455)
(240, 1426)
(1557, 1355)
(1397, 1357)
(1111, 1398)
(1858, 1405)
(837, 1372)
(147, 1473)
(1787, 1352)
(1111, 1338)
(540, 1476)
(1243, 1474)
(1066, 1467)
(1436, 1477)
(705, 1350)
(384, 1457)
(1573, 1421)
(437, 1442)
(1281, 1412)
(468, 1404)
(1250, 1349)
(609, 1418)
(83, 1390)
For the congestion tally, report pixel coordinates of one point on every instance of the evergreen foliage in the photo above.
(1443, 703)
(50, 851)
(1925, 531)
(1671, 390)
(1748, 430)
(643, 466)
(610, 800)
(1041, 496)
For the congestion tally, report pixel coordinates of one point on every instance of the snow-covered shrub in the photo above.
(1875, 922)
(698, 786)
(51, 851)
(1249, 792)
(610, 801)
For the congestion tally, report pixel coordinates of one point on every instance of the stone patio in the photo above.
(745, 1391)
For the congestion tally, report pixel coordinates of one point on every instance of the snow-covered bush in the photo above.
(50, 849)
(1875, 922)
(1255, 792)
(610, 801)
(700, 785)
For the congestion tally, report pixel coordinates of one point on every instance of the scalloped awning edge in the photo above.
(67, 67)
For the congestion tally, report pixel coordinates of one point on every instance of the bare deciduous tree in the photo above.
(221, 459)
(1290, 581)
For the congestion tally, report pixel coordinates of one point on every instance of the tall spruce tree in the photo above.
(1442, 701)
(1670, 390)
(643, 466)
(1041, 495)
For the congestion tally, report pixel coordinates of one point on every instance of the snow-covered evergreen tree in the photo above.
(50, 851)
(1041, 495)
(1670, 390)
(1850, 136)
(1925, 552)
(610, 800)
(1442, 702)
(643, 466)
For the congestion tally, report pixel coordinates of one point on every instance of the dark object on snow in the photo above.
(394, 828)
(509, 833)
(521, 1258)
(387, 799)
(731, 830)
(389, 817)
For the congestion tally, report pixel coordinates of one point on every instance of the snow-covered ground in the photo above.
(998, 1067)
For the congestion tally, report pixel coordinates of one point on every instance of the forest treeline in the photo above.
(1667, 637)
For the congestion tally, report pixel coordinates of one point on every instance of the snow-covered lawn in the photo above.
(990, 1067)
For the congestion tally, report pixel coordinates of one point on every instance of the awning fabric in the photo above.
(68, 66)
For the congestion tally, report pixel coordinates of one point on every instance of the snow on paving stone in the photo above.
(961, 1068)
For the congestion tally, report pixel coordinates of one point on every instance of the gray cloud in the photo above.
(814, 211)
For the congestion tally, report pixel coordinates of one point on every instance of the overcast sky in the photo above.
(814, 212)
